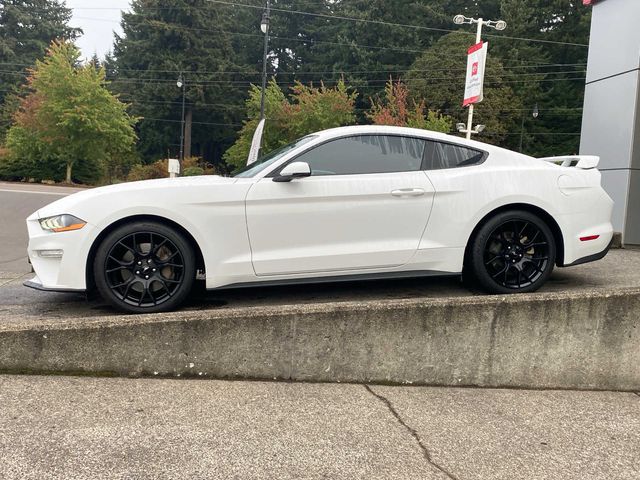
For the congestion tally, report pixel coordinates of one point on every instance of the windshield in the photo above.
(266, 160)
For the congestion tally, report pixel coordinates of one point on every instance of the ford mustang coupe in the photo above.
(349, 203)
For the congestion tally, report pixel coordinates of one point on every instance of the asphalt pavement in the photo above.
(17, 202)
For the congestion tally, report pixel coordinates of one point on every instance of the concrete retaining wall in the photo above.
(580, 340)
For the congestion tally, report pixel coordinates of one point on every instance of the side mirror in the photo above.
(293, 170)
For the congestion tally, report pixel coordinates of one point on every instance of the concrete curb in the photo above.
(588, 340)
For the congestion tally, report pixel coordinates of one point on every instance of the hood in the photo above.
(162, 186)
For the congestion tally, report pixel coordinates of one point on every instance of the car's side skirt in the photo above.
(339, 278)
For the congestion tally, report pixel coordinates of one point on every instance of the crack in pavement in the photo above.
(4, 282)
(637, 393)
(413, 432)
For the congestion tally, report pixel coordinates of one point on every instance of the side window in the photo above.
(365, 154)
(439, 155)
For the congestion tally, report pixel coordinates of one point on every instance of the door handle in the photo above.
(407, 192)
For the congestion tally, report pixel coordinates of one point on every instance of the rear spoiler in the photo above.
(584, 162)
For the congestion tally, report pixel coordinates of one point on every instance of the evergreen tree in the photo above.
(27, 27)
(438, 77)
(162, 42)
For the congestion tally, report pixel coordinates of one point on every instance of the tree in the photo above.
(309, 110)
(394, 110)
(27, 27)
(439, 76)
(163, 40)
(68, 121)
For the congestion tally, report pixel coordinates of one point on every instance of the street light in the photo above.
(498, 25)
(264, 27)
(182, 83)
(462, 128)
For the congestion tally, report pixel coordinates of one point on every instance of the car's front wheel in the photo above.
(144, 267)
(514, 251)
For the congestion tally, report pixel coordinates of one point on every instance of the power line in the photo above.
(194, 123)
(353, 19)
(319, 72)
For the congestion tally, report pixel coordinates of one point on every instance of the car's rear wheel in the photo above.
(144, 267)
(514, 251)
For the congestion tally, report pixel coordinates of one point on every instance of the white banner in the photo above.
(255, 143)
(476, 59)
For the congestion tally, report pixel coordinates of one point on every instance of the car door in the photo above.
(365, 206)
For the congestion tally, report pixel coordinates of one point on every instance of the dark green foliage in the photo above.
(27, 27)
(218, 48)
(161, 40)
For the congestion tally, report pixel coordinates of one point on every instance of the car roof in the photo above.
(412, 132)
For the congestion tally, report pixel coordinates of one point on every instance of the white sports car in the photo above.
(348, 203)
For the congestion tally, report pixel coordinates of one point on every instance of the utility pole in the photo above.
(534, 114)
(498, 25)
(181, 83)
(264, 27)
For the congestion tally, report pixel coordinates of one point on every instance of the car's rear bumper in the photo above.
(592, 257)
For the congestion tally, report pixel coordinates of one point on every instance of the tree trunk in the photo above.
(188, 121)
(69, 165)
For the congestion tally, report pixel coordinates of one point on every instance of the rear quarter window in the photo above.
(440, 155)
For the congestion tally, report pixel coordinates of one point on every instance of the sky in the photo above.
(98, 20)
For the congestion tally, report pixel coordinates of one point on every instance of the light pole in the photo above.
(498, 25)
(264, 27)
(181, 83)
(534, 114)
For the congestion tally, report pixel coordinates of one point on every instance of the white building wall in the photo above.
(611, 120)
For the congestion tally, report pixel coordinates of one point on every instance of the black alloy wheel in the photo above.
(513, 252)
(144, 267)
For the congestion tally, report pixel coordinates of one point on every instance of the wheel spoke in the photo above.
(164, 284)
(177, 265)
(159, 246)
(535, 266)
(121, 267)
(539, 244)
(533, 239)
(493, 259)
(166, 260)
(501, 271)
(120, 262)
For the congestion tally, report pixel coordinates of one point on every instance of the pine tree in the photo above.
(162, 43)
(27, 27)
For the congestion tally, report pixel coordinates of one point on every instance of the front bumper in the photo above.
(63, 273)
(36, 284)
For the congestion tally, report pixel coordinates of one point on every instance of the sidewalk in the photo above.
(75, 428)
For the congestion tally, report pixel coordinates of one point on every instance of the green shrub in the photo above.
(192, 172)
(148, 172)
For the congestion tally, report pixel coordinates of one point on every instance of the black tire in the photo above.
(144, 267)
(512, 252)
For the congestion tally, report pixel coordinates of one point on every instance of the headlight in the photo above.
(61, 223)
